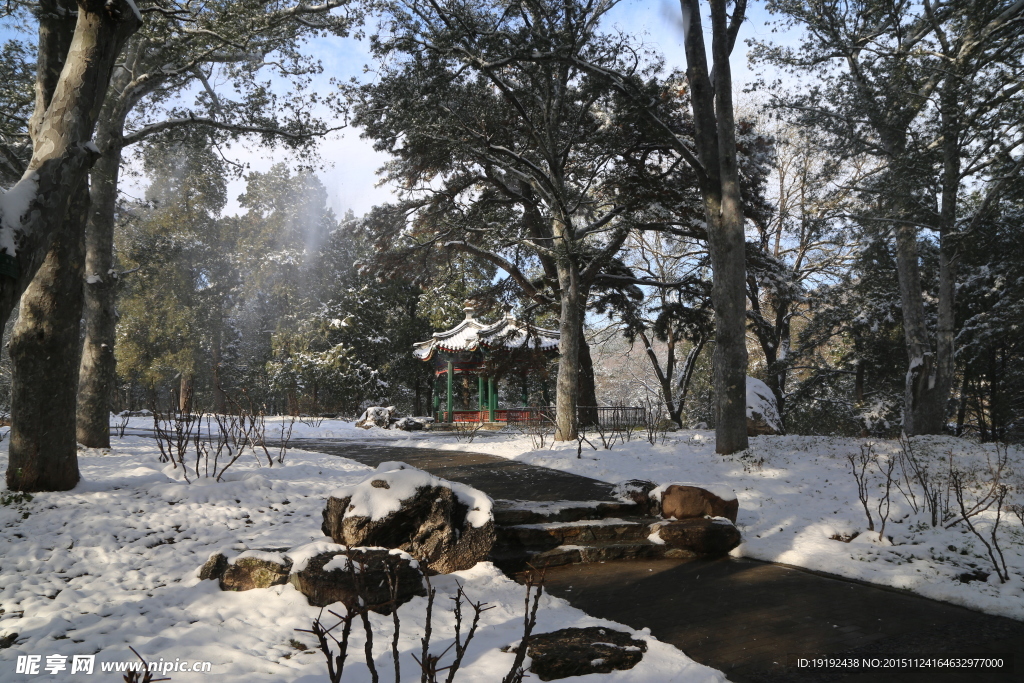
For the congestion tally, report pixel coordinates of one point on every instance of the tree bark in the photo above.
(44, 351)
(187, 388)
(220, 399)
(587, 386)
(715, 133)
(570, 330)
(98, 372)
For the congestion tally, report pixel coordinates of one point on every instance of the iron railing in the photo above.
(609, 417)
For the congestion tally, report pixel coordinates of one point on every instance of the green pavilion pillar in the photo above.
(492, 399)
(451, 375)
(481, 393)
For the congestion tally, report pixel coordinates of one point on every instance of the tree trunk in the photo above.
(570, 330)
(187, 387)
(44, 351)
(587, 387)
(73, 72)
(715, 132)
(923, 408)
(945, 332)
(98, 372)
(220, 400)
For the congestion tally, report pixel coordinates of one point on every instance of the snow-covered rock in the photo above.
(360, 576)
(376, 416)
(447, 525)
(255, 569)
(762, 409)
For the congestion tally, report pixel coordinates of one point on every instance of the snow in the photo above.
(275, 558)
(382, 493)
(135, 9)
(301, 556)
(14, 204)
(113, 563)
(470, 334)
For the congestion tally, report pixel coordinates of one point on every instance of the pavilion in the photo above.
(490, 352)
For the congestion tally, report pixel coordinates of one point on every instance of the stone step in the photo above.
(548, 535)
(578, 554)
(518, 512)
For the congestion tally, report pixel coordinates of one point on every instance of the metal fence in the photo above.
(606, 417)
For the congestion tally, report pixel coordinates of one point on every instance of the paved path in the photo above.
(740, 616)
(498, 477)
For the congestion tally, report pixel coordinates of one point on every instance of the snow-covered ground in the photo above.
(112, 565)
(797, 492)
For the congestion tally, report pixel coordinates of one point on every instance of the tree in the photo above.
(918, 87)
(181, 255)
(675, 310)
(711, 154)
(513, 160)
(218, 50)
(803, 241)
(78, 44)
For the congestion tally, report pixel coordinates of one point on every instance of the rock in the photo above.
(446, 525)
(214, 567)
(667, 425)
(581, 651)
(355, 573)
(700, 536)
(684, 501)
(255, 569)
(762, 409)
(638, 491)
(376, 417)
(413, 424)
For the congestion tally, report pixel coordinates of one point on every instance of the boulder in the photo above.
(255, 569)
(685, 501)
(413, 424)
(357, 576)
(762, 409)
(214, 567)
(376, 416)
(708, 537)
(446, 525)
(638, 491)
(581, 651)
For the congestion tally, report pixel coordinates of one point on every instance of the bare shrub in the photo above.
(174, 431)
(285, 439)
(311, 420)
(885, 500)
(934, 492)
(121, 423)
(654, 421)
(466, 431)
(858, 466)
(995, 553)
(333, 641)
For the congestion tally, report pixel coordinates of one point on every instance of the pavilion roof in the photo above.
(472, 334)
